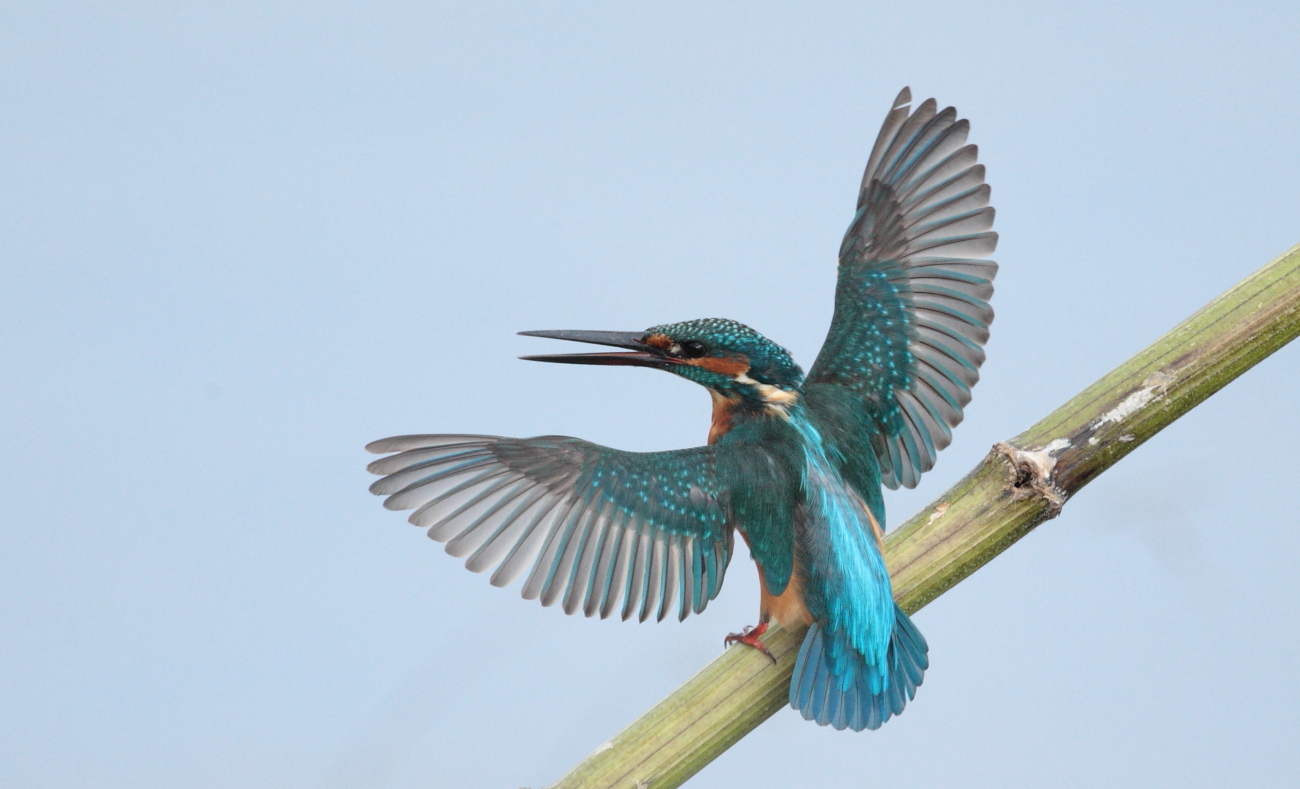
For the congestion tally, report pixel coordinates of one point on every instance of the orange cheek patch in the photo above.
(659, 341)
(738, 365)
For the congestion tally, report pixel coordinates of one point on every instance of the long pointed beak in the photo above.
(640, 355)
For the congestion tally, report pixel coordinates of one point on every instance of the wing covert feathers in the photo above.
(912, 307)
(592, 528)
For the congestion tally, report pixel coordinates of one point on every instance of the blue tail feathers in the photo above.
(817, 693)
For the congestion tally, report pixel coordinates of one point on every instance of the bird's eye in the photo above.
(692, 349)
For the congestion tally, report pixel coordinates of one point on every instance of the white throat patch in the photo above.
(776, 398)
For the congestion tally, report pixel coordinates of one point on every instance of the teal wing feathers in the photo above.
(912, 300)
(596, 529)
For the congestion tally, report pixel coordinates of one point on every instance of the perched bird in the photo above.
(794, 463)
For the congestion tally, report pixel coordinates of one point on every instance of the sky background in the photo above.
(239, 242)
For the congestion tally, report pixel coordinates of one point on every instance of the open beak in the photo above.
(640, 355)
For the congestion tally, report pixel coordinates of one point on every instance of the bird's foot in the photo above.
(750, 636)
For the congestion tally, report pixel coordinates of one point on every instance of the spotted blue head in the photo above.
(728, 358)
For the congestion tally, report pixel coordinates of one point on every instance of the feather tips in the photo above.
(597, 530)
(912, 310)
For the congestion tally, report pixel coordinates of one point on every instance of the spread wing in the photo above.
(912, 300)
(595, 527)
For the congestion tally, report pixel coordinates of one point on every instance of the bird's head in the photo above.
(726, 357)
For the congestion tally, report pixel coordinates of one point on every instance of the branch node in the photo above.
(1032, 473)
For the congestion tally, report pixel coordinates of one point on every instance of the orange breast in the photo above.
(787, 608)
(724, 409)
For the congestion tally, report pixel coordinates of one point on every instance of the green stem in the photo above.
(1020, 484)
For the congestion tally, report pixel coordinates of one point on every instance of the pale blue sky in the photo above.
(240, 242)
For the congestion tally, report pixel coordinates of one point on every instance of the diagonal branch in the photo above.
(1018, 485)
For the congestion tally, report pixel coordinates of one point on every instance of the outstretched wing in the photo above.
(912, 301)
(595, 526)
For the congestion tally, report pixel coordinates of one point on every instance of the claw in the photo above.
(750, 636)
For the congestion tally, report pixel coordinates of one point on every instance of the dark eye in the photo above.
(692, 349)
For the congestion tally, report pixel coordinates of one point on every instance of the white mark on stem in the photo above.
(1057, 445)
(1153, 388)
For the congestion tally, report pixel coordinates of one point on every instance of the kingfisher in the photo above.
(796, 463)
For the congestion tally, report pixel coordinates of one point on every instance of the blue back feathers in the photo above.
(862, 658)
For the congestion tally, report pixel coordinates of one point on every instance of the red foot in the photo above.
(750, 636)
